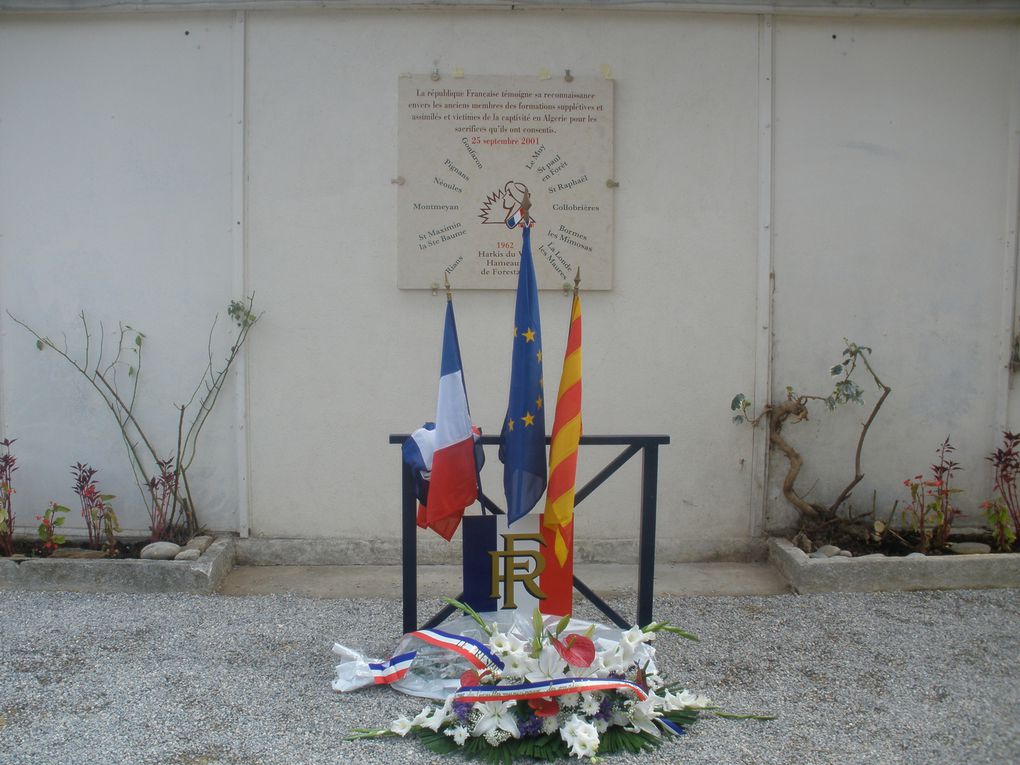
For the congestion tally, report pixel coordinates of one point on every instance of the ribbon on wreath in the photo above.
(544, 689)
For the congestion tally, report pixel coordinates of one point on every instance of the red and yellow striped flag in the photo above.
(558, 519)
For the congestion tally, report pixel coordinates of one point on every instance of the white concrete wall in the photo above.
(888, 201)
(892, 216)
(115, 199)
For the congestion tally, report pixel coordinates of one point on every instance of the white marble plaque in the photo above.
(471, 146)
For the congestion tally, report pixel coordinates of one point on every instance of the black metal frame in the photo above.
(647, 445)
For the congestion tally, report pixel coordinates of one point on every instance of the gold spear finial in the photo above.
(577, 280)
(449, 292)
(526, 206)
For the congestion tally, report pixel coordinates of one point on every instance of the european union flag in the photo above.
(522, 440)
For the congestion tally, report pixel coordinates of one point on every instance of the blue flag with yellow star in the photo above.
(522, 440)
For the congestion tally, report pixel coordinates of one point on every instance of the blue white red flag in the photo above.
(522, 440)
(453, 483)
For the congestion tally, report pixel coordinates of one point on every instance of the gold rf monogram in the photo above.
(515, 570)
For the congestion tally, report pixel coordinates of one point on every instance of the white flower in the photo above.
(596, 669)
(591, 703)
(685, 700)
(634, 637)
(458, 733)
(549, 665)
(518, 664)
(581, 736)
(601, 725)
(439, 716)
(570, 700)
(550, 724)
(642, 716)
(495, 715)
(505, 643)
(401, 726)
(421, 717)
(496, 736)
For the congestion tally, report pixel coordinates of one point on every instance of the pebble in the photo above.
(872, 555)
(916, 555)
(188, 554)
(819, 555)
(829, 550)
(160, 551)
(845, 554)
(970, 548)
(199, 543)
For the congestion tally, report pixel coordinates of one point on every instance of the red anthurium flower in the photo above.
(575, 650)
(544, 707)
(469, 678)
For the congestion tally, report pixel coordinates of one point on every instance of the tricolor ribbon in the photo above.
(472, 650)
(392, 670)
(543, 689)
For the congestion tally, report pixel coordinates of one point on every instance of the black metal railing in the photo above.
(648, 446)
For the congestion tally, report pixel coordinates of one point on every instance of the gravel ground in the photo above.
(915, 677)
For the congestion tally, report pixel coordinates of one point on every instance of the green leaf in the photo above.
(562, 624)
(131, 371)
(40, 344)
(676, 631)
(59, 520)
(738, 419)
(738, 400)
(138, 339)
(42, 531)
(465, 608)
(836, 370)
(727, 716)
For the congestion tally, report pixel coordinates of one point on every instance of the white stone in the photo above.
(188, 554)
(845, 554)
(917, 555)
(829, 550)
(160, 551)
(970, 548)
(199, 543)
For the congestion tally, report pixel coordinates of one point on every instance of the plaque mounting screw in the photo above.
(612, 184)
(435, 288)
(568, 77)
(435, 75)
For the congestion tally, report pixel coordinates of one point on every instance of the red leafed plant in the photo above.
(1006, 462)
(8, 464)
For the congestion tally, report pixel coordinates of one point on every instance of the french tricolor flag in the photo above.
(453, 484)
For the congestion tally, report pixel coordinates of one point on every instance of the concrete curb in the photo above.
(279, 551)
(199, 577)
(839, 574)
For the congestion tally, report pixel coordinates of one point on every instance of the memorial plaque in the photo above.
(469, 148)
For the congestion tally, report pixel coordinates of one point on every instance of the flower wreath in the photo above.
(539, 688)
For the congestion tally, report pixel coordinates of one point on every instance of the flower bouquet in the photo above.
(546, 689)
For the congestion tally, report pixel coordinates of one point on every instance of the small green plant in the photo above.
(53, 517)
(795, 409)
(997, 515)
(931, 512)
(8, 464)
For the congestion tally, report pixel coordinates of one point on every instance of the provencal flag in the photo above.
(453, 483)
(522, 440)
(566, 435)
